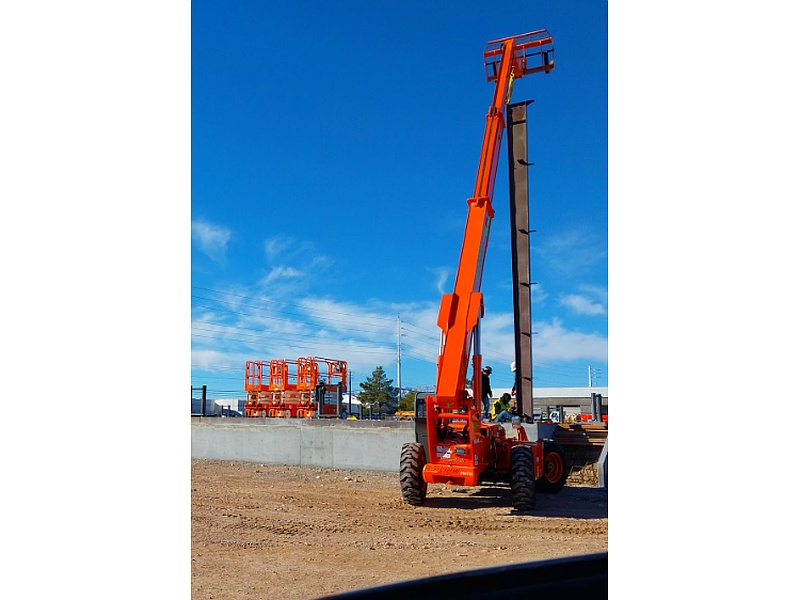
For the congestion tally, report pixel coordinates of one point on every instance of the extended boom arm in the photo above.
(460, 312)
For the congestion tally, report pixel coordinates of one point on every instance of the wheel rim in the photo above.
(554, 467)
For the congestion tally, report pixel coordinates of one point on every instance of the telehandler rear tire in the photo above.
(523, 489)
(555, 469)
(412, 486)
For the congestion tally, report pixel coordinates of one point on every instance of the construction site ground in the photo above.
(297, 533)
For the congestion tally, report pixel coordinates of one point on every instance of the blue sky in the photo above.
(333, 150)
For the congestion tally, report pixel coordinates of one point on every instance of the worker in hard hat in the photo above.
(502, 409)
(486, 392)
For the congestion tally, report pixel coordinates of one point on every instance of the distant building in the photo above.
(219, 406)
(574, 400)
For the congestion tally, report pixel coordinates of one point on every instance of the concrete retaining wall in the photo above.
(358, 445)
(327, 443)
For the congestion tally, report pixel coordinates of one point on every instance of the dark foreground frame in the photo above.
(584, 574)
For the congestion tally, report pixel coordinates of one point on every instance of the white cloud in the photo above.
(212, 239)
(582, 305)
(248, 326)
(281, 247)
(209, 359)
(441, 276)
(321, 262)
(553, 343)
(595, 291)
(281, 252)
(368, 332)
(281, 273)
(571, 251)
(278, 246)
(365, 322)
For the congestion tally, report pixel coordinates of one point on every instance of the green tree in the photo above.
(377, 394)
(407, 402)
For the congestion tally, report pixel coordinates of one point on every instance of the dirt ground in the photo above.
(303, 533)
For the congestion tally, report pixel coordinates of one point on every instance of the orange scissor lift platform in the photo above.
(284, 388)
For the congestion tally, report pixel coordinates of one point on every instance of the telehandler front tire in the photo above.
(412, 486)
(523, 489)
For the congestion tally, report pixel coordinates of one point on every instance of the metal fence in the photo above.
(203, 406)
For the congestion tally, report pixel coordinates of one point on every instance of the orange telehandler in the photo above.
(452, 445)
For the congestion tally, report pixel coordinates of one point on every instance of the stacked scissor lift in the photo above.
(309, 387)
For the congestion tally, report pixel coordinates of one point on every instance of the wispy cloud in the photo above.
(582, 305)
(282, 273)
(539, 294)
(290, 260)
(591, 301)
(212, 240)
(250, 326)
(554, 343)
(571, 251)
(210, 359)
(278, 246)
(367, 332)
(320, 262)
(283, 248)
(441, 275)
(238, 325)
(597, 292)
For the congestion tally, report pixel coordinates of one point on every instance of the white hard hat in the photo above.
(513, 366)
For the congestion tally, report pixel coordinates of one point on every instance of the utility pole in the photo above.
(592, 374)
(399, 381)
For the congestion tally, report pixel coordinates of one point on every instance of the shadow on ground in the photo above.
(569, 503)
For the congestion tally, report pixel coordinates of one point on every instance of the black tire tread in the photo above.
(413, 487)
(523, 489)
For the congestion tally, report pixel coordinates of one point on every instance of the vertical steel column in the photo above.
(520, 252)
